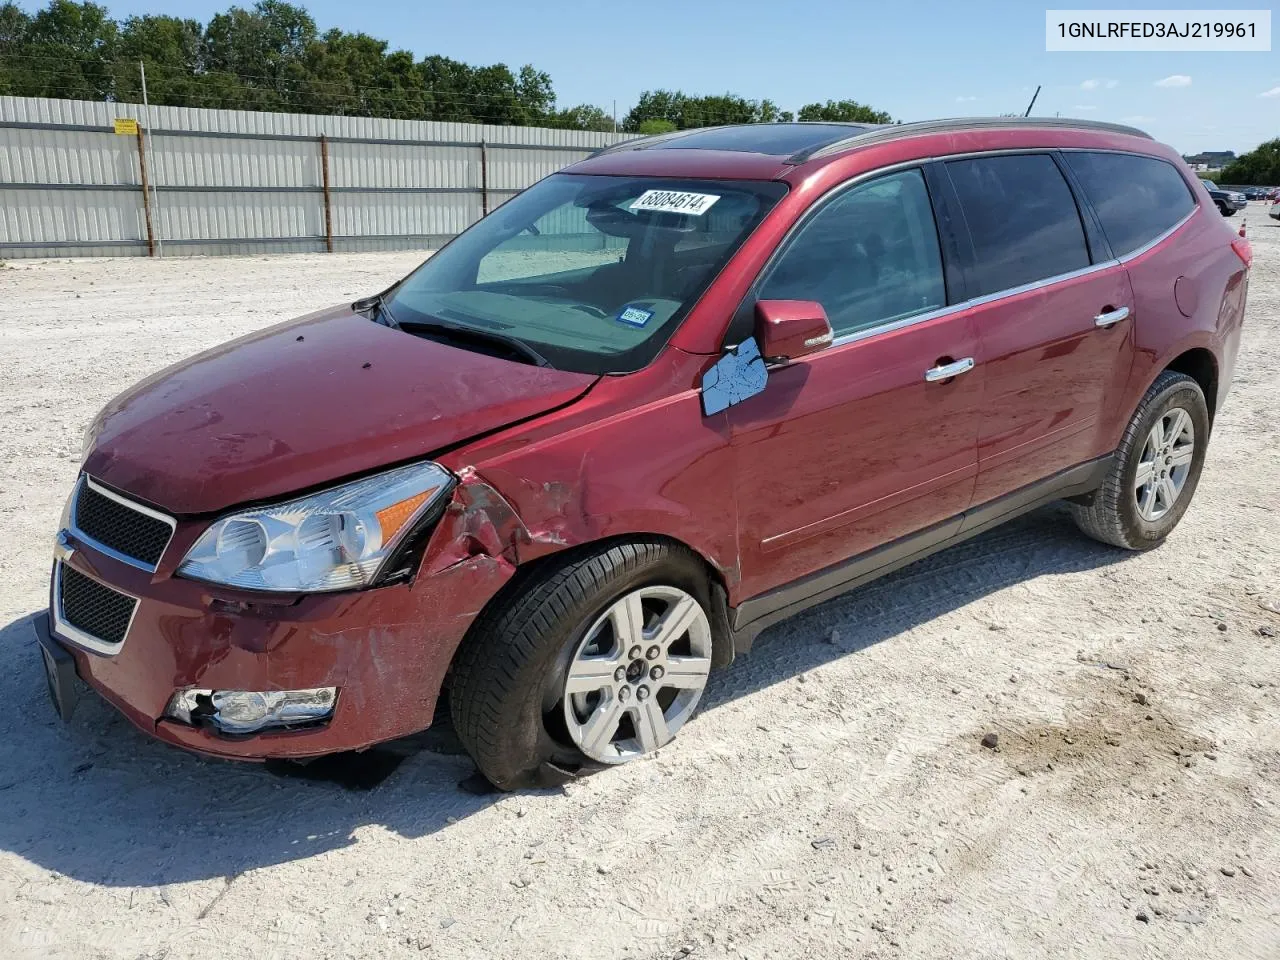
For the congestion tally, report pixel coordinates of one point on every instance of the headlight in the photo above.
(335, 540)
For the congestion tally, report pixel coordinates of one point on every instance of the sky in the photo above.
(917, 61)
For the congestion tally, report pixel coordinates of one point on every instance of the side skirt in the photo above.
(752, 616)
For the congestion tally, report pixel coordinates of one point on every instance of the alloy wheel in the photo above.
(1165, 464)
(638, 674)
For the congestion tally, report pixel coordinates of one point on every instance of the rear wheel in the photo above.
(1156, 469)
(593, 662)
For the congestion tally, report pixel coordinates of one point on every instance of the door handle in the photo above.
(948, 370)
(1111, 317)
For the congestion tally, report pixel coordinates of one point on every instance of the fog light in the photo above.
(241, 712)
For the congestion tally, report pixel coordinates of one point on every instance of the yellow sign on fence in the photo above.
(127, 126)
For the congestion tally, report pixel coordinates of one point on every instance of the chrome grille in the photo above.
(92, 609)
(133, 532)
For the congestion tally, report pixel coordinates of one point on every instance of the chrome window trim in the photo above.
(78, 636)
(974, 302)
(950, 309)
(85, 480)
(1151, 244)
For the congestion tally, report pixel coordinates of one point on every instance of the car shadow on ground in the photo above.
(98, 801)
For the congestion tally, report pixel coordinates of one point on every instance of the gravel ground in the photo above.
(832, 798)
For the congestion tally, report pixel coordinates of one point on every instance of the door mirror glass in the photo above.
(790, 329)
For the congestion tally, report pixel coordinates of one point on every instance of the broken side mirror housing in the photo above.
(790, 329)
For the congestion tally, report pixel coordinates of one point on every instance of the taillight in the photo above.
(1243, 250)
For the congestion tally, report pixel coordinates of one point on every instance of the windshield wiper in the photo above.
(450, 331)
(385, 316)
(377, 309)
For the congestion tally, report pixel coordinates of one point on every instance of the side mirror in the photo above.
(790, 329)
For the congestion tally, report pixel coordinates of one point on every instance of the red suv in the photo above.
(653, 404)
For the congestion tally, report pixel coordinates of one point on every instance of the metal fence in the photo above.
(200, 182)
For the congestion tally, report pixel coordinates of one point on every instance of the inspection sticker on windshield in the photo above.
(635, 316)
(675, 201)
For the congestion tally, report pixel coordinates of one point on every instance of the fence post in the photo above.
(146, 195)
(324, 179)
(484, 179)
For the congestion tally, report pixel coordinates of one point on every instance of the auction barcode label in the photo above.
(1191, 30)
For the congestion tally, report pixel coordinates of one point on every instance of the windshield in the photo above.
(593, 273)
(1210, 184)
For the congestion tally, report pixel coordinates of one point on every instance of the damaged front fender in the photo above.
(478, 522)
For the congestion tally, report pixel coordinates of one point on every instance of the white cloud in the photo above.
(965, 99)
(1099, 84)
(1177, 80)
(1273, 92)
(1084, 107)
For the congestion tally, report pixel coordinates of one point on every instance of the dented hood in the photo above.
(303, 404)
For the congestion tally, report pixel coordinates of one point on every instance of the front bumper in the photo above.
(386, 649)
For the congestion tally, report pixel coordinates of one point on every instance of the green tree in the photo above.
(1260, 167)
(845, 111)
(654, 125)
(170, 48)
(14, 25)
(490, 94)
(353, 74)
(68, 50)
(261, 51)
(585, 116)
(683, 111)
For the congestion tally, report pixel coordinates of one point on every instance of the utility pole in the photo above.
(155, 194)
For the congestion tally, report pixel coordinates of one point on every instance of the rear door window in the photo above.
(870, 256)
(1136, 198)
(1022, 219)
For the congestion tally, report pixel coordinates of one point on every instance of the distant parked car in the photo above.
(1255, 193)
(658, 401)
(1227, 201)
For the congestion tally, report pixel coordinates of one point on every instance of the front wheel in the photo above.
(590, 662)
(1156, 468)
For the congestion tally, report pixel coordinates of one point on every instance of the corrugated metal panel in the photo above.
(387, 165)
(82, 216)
(67, 156)
(227, 193)
(91, 113)
(204, 162)
(517, 169)
(204, 216)
(381, 214)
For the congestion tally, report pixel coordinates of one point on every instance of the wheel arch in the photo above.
(543, 565)
(1200, 365)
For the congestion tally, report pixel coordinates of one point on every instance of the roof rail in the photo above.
(897, 130)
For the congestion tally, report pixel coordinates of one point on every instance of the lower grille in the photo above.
(93, 608)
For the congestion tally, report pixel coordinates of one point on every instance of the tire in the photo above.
(1116, 513)
(1225, 210)
(507, 694)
